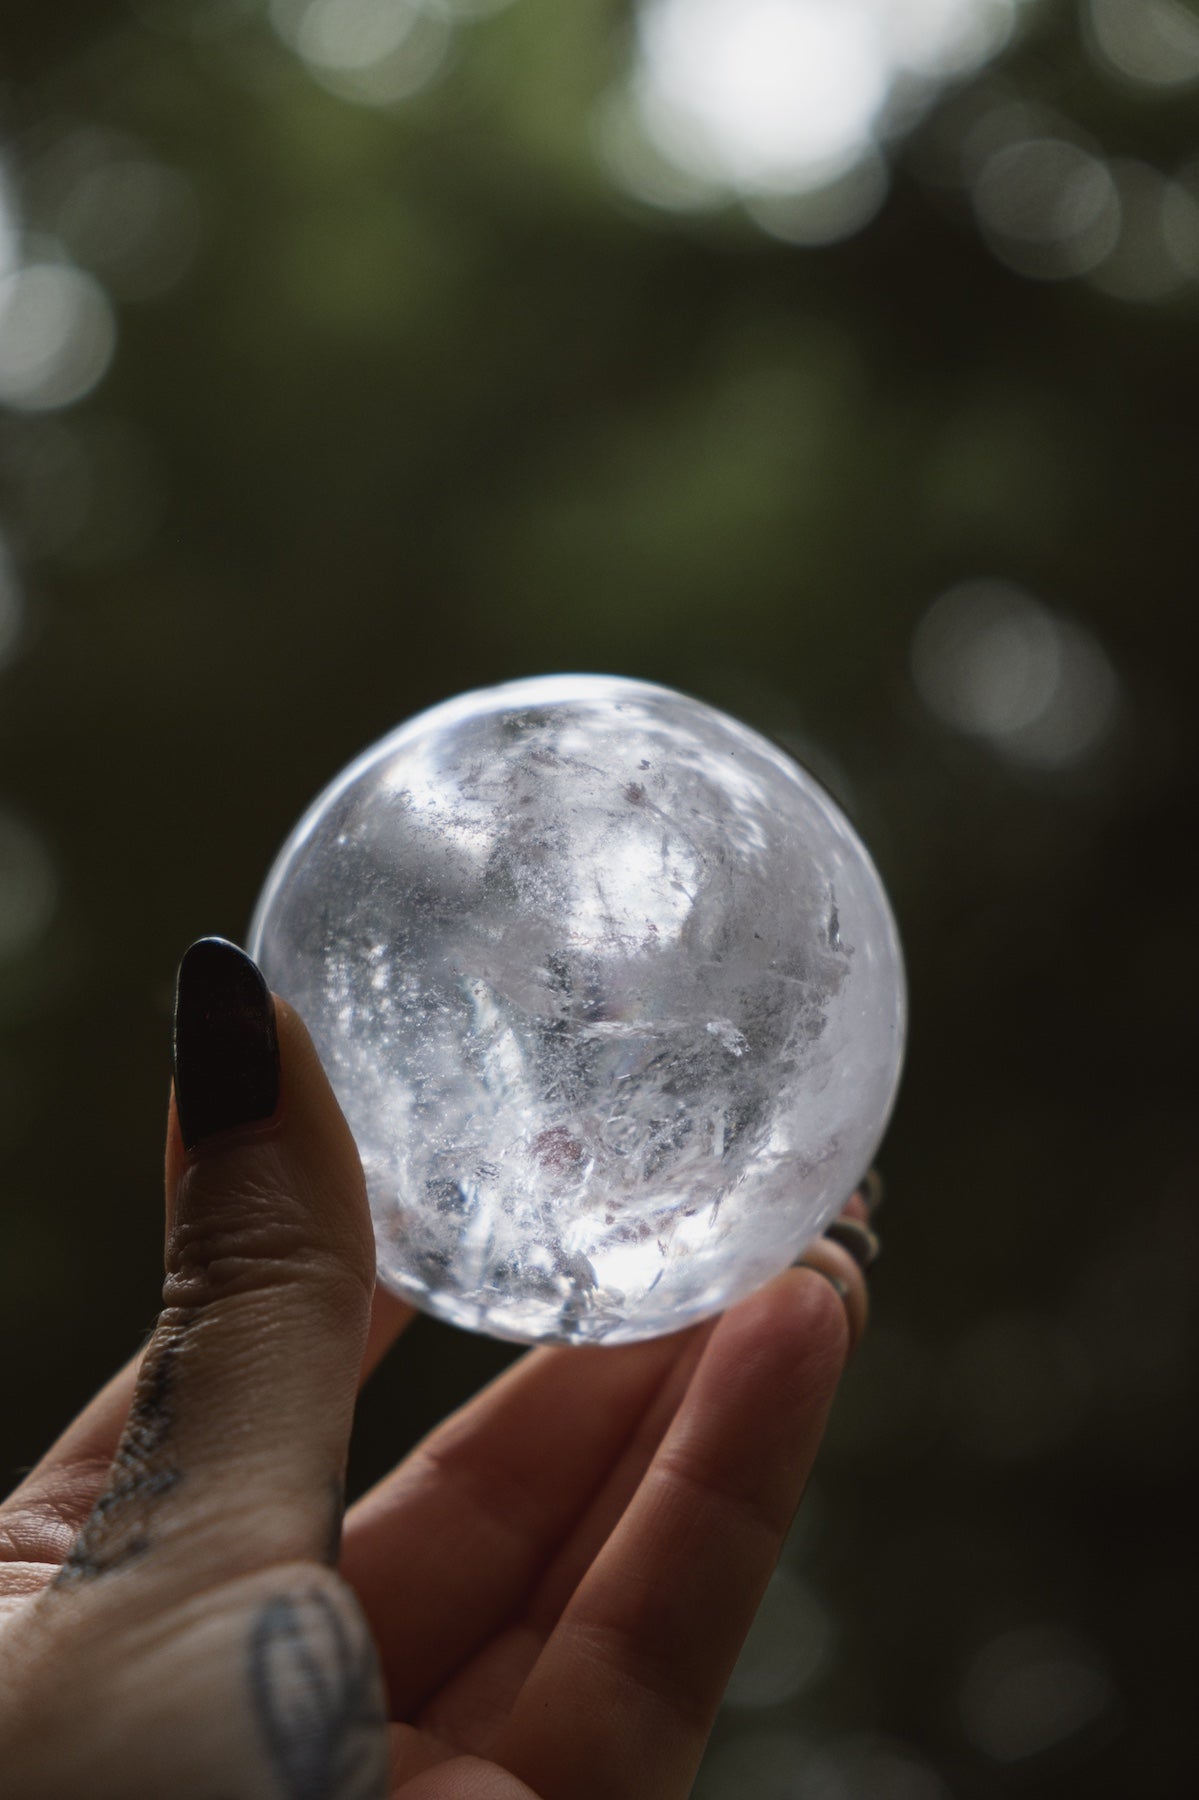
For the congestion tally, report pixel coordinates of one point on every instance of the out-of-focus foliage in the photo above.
(839, 363)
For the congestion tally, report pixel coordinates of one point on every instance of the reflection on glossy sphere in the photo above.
(610, 994)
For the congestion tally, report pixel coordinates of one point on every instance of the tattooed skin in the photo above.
(115, 1531)
(318, 1701)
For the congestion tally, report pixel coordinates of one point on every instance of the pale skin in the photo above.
(543, 1601)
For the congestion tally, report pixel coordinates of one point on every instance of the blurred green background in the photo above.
(835, 360)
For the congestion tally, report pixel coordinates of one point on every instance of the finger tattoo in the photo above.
(318, 1699)
(117, 1528)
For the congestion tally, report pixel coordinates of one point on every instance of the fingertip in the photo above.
(176, 1155)
(389, 1317)
(308, 1102)
(295, 1039)
(844, 1282)
(818, 1319)
(260, 1179)
(225, 1050)
(795, 1331)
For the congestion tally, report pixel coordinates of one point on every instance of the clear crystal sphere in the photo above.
(610, 994)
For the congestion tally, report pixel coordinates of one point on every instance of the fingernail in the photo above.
(834, 1281)
(226, 1050)
(855, 1237)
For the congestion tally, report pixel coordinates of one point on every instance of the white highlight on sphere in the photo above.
(611, 996)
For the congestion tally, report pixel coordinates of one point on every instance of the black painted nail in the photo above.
(226, 1049)
(855, 1237)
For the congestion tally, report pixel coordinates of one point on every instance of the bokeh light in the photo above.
(1032, 1690)
(57, 336)
(992, 662)
(1051, 205)
(766, 95)
(1150, 42)
(1156, 254)
(784, 104)
(101, 195)
(1047, 207)
(374, 52)
(872, 1766)
(134, 222)
(828, 213)
(789, 1645)
(46, 481)
(9, 230)
(769, 1764)
(1180, 218)
(776, 1763)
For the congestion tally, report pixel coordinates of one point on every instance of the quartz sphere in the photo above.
(610, 994)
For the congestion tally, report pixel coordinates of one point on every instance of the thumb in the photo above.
(235, 1446)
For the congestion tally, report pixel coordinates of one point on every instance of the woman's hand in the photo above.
(545, 1599)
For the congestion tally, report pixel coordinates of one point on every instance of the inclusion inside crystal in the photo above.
(610, 994)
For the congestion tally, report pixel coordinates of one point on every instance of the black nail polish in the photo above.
(855, 1237)
(226, 1049)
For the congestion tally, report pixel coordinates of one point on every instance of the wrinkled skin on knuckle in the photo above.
(258, 1236)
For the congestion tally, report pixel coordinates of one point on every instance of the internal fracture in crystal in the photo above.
(610, 994)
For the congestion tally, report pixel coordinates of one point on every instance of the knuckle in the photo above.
(253, 1239)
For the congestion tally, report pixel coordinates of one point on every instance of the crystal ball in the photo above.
(610, 994)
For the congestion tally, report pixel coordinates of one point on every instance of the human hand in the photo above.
(543, 1602)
